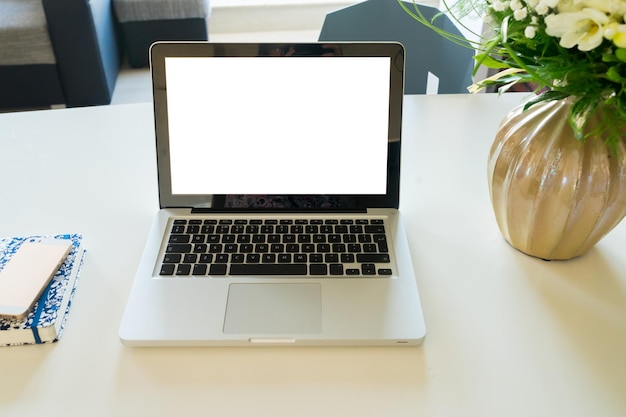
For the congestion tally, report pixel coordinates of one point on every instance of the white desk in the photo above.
(508, 335)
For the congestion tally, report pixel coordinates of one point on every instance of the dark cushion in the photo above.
(24, 35)
(29, 86)
(138, 36)
(141, 10)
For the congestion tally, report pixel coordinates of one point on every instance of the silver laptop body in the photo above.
(279, 177)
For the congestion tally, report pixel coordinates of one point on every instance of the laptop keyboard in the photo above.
(280, 247)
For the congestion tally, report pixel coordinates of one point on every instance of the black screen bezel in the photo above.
(160, 50)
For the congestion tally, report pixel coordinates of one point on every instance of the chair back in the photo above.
(426, 51)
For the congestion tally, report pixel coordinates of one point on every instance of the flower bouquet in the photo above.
(564, 48)
(555, 190)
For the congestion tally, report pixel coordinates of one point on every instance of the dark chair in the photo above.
(57, 52)
(426, 51)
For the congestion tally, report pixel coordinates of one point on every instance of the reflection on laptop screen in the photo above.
(264, 125)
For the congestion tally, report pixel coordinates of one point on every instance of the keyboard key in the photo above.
(221, 258)
(172, 258)
(178, 229)
(364, 238)
(348, 238)
(318, 269)
(339, 248)
(261, 248)
(268, 258)
(199, 269)
(373, 258)
(316, 258)
(183, 269)
(368, 269)
(284, 258)
(206, 258)
(217, 269)
(237, 258)
(167, 269)
(200, 248)
(190, 258)
(370, 247)
(354, 247)
(323, 247)
(336, 269)
(197, 239)
(179, 238)
(331, 258)
(178, 248)
(375, 229)
(253, 258)
(207, 229)
(269, 269)
(347, 258)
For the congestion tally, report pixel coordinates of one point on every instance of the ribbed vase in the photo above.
(554, 197)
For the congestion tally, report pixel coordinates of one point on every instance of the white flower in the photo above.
(616, 33)
(542, 8)
(613, 7)
(500, 6)
(584, 28)
(516, 5)
(530, 31)
(519, 10)
(520, 14)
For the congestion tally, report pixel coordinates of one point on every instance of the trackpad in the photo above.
(281, 308)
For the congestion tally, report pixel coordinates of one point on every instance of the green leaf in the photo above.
(608, 58)
(620, 53)
(579, 114)
(547, 96)
(490, 62)
(614, 75)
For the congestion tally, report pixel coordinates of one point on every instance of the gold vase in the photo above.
(554, 197)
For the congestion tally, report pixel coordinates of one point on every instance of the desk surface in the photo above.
(508, 335)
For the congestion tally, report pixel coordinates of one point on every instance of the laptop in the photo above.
(279, 178)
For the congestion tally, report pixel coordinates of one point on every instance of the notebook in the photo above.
(279, 178)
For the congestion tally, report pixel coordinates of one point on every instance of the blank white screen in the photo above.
(298, 125)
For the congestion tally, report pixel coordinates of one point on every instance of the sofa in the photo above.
(57, 52)
(143, 22)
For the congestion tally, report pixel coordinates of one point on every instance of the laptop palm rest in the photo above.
(274, 308)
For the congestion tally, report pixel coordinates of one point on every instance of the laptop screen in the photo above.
(275, 126)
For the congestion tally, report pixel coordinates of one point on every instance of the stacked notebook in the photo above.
(45, 322)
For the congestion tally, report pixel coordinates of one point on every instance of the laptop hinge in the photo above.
(202, 210)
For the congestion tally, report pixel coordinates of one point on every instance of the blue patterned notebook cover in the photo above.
(45, 312)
